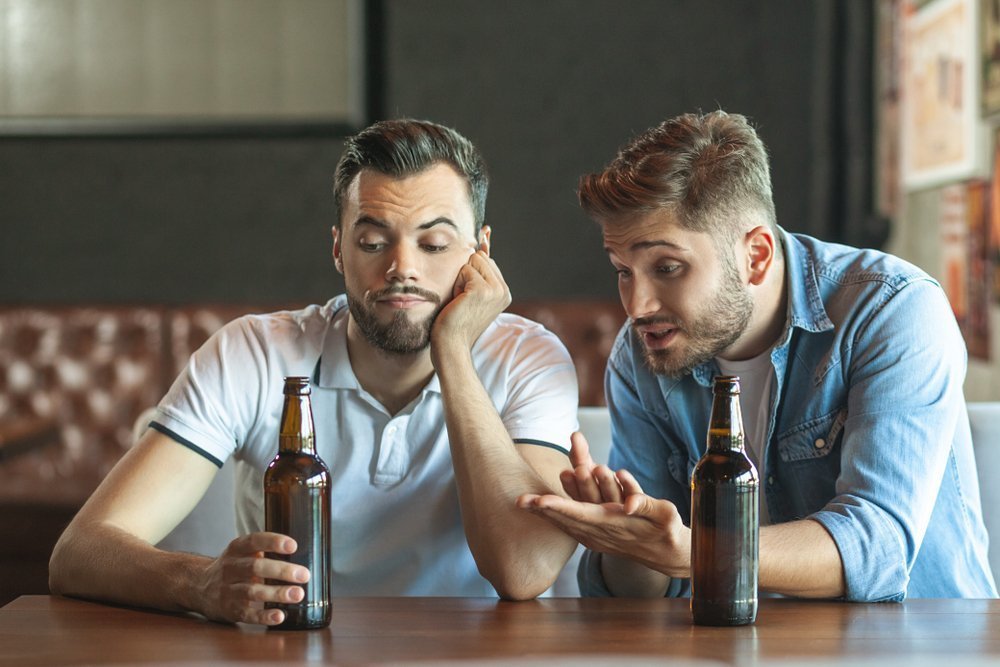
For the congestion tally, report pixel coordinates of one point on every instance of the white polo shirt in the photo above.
(396, 524)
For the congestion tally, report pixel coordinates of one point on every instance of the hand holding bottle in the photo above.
(238, 583)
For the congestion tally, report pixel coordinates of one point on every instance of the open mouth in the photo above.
(658, 336)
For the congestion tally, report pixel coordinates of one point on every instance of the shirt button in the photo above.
(820, 442)
(770, 480)
(391, 430)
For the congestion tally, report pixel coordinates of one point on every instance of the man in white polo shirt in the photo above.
(433, 411)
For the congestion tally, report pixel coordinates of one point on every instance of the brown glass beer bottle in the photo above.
(724, 518)
(297, 504)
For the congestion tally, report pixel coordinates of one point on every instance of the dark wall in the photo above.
(548, 90)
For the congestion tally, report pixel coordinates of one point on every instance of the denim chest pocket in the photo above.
(813, 439)
(808, 465)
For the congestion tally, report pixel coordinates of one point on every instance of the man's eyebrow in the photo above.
(438, 221)
(645, 245)
(368, 220)
(382, 224)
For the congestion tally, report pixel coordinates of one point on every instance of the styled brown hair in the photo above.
(709, 170)
(406, 146)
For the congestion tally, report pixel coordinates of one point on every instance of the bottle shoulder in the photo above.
(298, 465)
(733, 465)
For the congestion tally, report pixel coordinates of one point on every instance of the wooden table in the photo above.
(42, 630)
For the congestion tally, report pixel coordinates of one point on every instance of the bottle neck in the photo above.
(297, 434)
(725, 429)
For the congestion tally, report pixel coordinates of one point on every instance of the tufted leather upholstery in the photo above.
(91, 371)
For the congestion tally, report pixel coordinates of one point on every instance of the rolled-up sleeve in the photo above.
(907, 366)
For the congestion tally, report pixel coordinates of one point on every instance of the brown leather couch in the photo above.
(74, 379)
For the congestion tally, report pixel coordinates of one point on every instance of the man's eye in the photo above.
(668, 268)
(371, 247)
(430, 247)
(623, 273)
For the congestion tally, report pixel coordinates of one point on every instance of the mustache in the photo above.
(662, 319)
(399, 290)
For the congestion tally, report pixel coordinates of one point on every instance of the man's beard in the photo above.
(711, 331)
(400, 335)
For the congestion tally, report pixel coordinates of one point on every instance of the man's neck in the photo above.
(394, 380)
(769, 318)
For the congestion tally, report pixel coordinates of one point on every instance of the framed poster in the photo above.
(976, 323)
(990, 50)
(939, 95)
(888, 52)
(111, 66)
(993, 207)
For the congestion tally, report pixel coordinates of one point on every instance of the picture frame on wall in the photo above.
(990, 53)
(167, 67)
(940, 105)
(993, 209)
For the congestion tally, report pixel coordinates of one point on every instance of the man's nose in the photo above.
(403, 264)
(641, 299)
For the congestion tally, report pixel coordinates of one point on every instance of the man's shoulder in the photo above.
(846, 265)
(283, 334)
(511, 327)
(514, 336)
(311, 320)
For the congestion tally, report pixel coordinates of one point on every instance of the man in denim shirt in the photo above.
(852, 369)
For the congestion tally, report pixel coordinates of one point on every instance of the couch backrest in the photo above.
(984, 418)
(87, 373)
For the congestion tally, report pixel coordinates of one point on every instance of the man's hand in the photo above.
(238, 583)
(586, 481)
(479, 295)
(608, 512)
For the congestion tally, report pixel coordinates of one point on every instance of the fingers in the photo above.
(607, 482)
(252, 574)
(261, 542)
(485, 267)
(629, 483)
(579, 451)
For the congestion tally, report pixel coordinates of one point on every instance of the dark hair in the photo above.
(709, 170)
(406, 146)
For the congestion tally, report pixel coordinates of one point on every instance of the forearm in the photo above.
(102, 562)
(800, 559)
(627, 578)
(520, 554)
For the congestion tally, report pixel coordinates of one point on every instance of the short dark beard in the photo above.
(400, 336)
(719, 326)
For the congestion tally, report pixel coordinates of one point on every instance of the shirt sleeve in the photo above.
(212, 403)
(646, 455)
(543, 393)
(907, 368)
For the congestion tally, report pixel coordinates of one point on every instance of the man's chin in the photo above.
(667, 363)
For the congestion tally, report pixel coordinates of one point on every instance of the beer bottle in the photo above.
(724, 518)
(297, 504)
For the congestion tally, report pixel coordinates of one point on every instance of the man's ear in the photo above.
(338, 260)
(484, 239)
(761, 252)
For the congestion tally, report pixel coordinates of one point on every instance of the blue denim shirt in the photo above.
(868, 433)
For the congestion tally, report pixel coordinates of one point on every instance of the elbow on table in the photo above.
(520, 585)
(58, 566)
